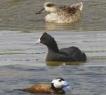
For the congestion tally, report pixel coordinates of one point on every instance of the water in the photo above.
(22, 62)
(20, 15)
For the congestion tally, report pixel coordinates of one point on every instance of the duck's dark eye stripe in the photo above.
(61, 79)
(50, 5)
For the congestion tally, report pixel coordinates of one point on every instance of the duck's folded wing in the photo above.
(75, 53)
(71, 50)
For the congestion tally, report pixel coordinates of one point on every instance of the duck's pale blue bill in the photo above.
(38, 41)
(66, 86)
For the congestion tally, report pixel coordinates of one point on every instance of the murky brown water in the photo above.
(22, 62)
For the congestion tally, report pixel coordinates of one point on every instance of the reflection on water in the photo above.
(54, 26)
(52, 63)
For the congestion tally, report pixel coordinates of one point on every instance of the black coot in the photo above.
(69, 54)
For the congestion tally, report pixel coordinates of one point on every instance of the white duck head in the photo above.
(60, 85)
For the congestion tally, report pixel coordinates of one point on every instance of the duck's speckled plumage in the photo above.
(63, 14)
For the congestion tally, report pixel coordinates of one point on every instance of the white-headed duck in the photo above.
(58, 85)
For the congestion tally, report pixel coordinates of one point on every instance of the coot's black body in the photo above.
(65, 54)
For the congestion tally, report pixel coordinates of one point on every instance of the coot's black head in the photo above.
(46, 39)
(49, 41)
(59, 85)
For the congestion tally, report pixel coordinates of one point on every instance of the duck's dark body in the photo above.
(64, 54)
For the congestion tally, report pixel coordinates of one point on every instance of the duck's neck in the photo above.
(57, 90)
(53, 47)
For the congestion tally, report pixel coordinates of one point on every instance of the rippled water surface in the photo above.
(20, 14)
(22, 62)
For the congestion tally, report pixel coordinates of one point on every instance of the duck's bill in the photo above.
(66, 86)
(40, 11)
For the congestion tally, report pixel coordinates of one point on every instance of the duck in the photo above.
(62, 14)
(57, 85)
(69, 54)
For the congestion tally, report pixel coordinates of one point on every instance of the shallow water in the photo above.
(22, 62)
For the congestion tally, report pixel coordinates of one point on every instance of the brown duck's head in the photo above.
(50, 7)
